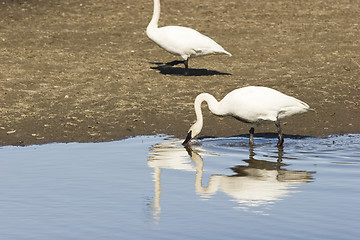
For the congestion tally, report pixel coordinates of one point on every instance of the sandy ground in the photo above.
(85, 70)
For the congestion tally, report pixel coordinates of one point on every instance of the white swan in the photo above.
(182, 41)
(252, 105)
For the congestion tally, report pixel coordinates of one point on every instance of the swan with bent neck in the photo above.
(253, 105)
(182, 41)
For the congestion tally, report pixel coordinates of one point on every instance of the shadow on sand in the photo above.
(168, 69)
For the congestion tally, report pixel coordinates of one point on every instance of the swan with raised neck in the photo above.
(182, 41)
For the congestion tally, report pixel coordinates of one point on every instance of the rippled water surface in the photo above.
(153, 188)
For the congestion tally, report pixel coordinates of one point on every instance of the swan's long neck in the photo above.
(213, 104)
(156, 15)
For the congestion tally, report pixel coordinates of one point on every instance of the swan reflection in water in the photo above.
(257, 184)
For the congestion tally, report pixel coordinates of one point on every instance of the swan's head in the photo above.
(193, 132)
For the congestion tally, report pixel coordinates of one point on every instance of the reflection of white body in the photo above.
(182, 41)
(256, 186)
(170, 157)
(251, 187)
(252, 190)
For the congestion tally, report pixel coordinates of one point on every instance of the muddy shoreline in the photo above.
(85, 71)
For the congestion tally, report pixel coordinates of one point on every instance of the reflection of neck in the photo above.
(213, 185)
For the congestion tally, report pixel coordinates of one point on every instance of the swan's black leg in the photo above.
(251, 140)
(280, 134)
(186, 62)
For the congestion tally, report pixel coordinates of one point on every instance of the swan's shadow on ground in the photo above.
(170, 70)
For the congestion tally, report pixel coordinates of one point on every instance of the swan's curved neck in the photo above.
(156, 15)
(213, 104)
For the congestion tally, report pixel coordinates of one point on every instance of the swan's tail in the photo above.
(226, 52)
(304, 105)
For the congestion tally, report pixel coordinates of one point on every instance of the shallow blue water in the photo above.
(151, 187)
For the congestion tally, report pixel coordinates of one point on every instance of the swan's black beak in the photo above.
(187, 139)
